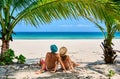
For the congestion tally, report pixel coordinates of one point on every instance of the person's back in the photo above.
(51, 60)
(67, 62)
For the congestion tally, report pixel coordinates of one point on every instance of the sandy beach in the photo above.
(85, 51)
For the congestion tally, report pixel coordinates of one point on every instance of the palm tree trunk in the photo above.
(109, 54)
(5, 46)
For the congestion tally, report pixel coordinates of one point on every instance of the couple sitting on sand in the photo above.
(53, 59)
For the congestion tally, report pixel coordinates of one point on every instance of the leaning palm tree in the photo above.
(110, 16)
(35, 12)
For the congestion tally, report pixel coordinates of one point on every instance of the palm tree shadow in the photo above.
(92, 66)
(101, 68)
(11, 70)
(117, 66)
(31, 66)
(61, 76)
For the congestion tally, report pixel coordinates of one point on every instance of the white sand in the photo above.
(38, 48)
(83, 50)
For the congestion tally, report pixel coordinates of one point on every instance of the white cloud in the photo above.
(76, 25)
(67, 25)
(83, 25)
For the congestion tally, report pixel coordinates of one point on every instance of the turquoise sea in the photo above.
(61, 35)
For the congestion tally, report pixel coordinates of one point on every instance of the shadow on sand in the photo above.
(9, 71)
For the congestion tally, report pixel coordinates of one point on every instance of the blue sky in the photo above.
(64, 25)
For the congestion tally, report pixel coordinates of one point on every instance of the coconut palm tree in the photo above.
(111, 28)
(109, 33)
(111, 18)
(35, 12)
(109, 53)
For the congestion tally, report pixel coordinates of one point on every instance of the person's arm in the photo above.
(70, 63)
(46, 58)
(59, 59)
(56, 65)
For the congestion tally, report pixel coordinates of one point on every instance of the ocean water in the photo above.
(61, 35)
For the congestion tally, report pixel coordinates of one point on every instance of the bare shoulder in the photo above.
(67, 56)
(48, 54)
(57, 55)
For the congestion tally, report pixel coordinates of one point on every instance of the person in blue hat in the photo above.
(53, 48)
(51, 61)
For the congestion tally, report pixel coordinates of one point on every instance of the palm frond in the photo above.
(47, 12)
(38, 12)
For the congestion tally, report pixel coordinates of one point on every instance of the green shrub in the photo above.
(111, 73)
(20, 59)
(2, 63)
(9, 56)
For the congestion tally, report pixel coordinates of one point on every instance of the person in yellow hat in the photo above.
(67, 62)
(51, 61)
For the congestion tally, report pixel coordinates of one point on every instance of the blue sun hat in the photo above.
(53, 48)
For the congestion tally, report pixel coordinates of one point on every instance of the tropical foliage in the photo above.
(9, 57)
(110, 16)
(35, 12)
(111, 73)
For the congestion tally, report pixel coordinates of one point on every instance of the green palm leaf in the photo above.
(38, 12)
